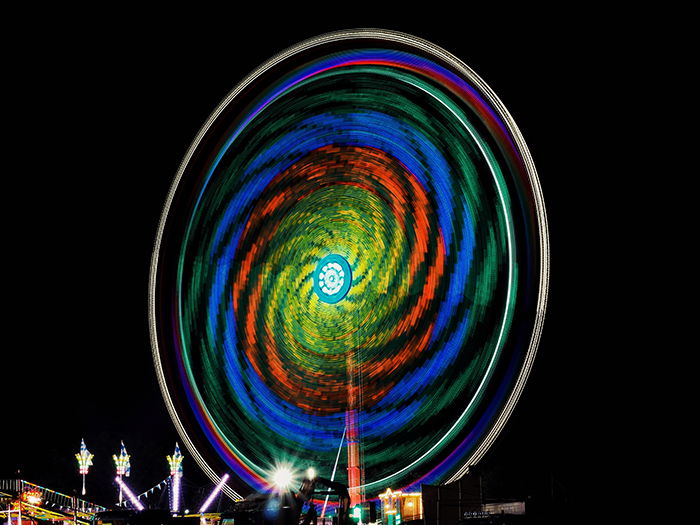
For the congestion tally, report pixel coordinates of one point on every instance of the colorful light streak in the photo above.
(399, 159)
(124, 487)
(213, 494)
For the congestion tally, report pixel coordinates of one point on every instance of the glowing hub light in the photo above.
(311, 473)
(332, 278)
(136, 503)
(282, 478)
(213, 494)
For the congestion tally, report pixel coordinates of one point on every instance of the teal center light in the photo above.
(332, 278)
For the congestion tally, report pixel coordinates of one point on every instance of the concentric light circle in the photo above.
(332, 278)
(355, 237)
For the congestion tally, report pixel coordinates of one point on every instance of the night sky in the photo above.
(101, 114)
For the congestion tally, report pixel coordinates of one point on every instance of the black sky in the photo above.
(102, 111)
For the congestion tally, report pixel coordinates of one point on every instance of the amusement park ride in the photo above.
(338, 269)
(353, 257)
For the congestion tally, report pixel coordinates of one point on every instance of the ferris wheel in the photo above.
(351, 269)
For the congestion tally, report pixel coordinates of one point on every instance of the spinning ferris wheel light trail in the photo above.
(336, 264)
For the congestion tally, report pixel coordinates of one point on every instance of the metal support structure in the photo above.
(352, 434)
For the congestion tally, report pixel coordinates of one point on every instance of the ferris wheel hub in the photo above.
(332, 278)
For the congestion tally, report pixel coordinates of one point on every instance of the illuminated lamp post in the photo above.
(123, 468)
(175, 463)
(84, 461)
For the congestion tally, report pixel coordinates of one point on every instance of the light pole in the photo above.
(175, 463)
(123, 467)
(84, 461)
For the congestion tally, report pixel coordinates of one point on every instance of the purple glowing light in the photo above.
(213, 494)
(136, 503)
